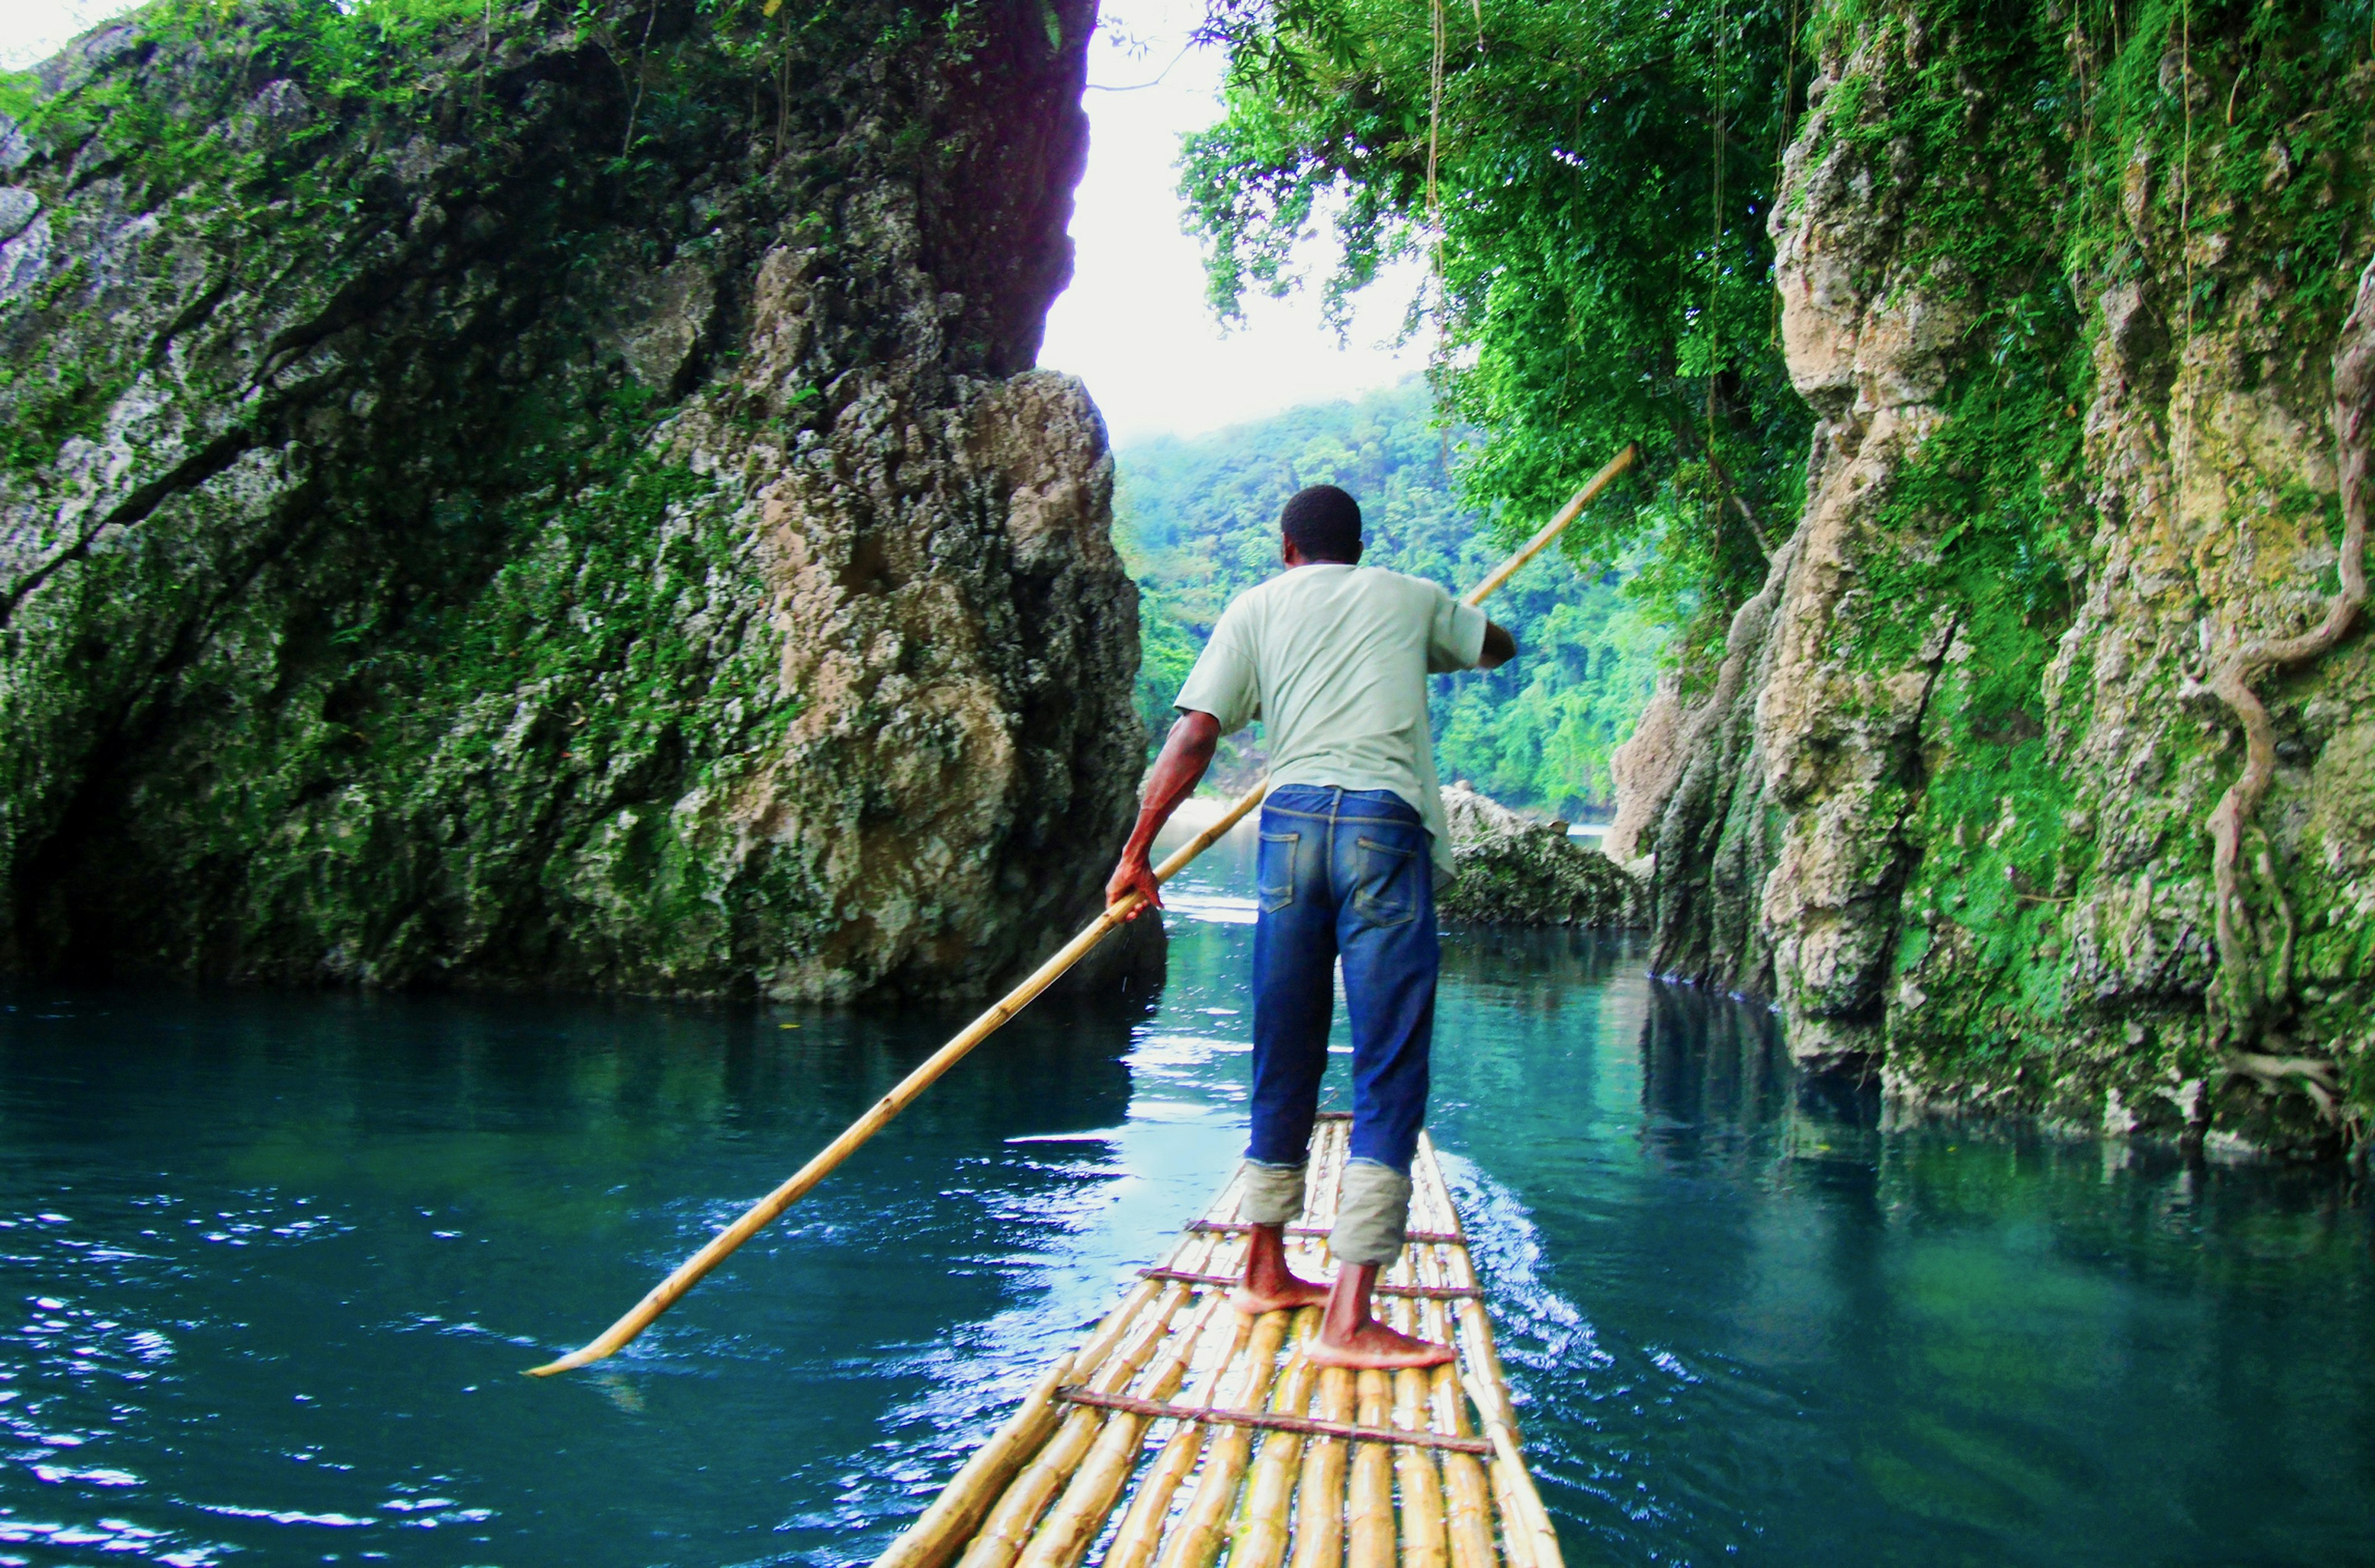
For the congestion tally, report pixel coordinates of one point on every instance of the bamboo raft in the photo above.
(1180, 1426)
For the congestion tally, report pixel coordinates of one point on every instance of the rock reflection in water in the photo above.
(1708, 1062)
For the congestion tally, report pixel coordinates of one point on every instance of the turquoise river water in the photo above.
(270, 1268)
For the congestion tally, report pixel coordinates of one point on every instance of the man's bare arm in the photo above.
(1499, 647)
(1185, 754)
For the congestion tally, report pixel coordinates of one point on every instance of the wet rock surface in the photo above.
(1944, 794)
(1510, 870)
(577, 512)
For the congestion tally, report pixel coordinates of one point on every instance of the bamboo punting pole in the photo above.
(1551, 530)
(1319, 1495)
(1071, 1525)
(1195, 1539)
(690, 1273)
(1260, 1538)
(1142, 1527)
(1002, 1535)
(1369, 1514)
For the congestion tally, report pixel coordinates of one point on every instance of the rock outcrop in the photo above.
(1512, 871)
(553, 497)
(2076, 308)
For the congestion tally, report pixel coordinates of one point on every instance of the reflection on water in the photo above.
(275, 1265)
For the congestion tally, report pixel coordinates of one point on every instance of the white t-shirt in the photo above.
(1336, 659)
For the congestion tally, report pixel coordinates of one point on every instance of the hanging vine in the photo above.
(2253, 992)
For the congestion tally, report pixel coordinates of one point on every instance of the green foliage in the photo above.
(1605, 172)
(2273, 144)
(1984, 522)
(1198, 520)
(1166, 647)
(21, 93)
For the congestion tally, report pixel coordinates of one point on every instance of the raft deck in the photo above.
(1181, 1426)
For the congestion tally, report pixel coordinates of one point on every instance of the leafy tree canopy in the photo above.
(1590, 180)
(1198, 522)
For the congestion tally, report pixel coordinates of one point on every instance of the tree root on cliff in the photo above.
(2314, 1075)
(2245, 999)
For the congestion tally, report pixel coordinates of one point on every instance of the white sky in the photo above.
(1133, 324)
(33, 30)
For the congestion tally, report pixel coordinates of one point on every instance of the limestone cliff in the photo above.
(556, 496)
(2041, 774)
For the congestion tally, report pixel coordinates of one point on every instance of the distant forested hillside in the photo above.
(1198, 522)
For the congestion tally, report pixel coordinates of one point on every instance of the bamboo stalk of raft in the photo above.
(1183, 1427)
(1521, 1504)
(1415, 1469)
(1265, 1526)
(1468, 1497)
(1141, 1528)
(691, 1271)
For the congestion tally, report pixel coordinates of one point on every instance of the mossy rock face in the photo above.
(2065, 295)
(1511, 871)
(551, 497)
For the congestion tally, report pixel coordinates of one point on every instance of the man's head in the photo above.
(1321, 523)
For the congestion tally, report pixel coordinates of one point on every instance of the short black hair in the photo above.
(1324, 523)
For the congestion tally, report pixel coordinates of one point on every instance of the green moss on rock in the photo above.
(2064, 285)
(486, 490)
(1511, 871)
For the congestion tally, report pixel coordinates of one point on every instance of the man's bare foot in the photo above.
(1269, 1284)
(1349, 1337)
(1374, 1347)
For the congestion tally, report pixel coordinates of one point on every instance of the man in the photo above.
(1335, 656)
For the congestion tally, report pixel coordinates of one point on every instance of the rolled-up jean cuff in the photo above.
(1273, 1194)
(1372, 1211)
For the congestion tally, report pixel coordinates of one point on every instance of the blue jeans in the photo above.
(1348, 873)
